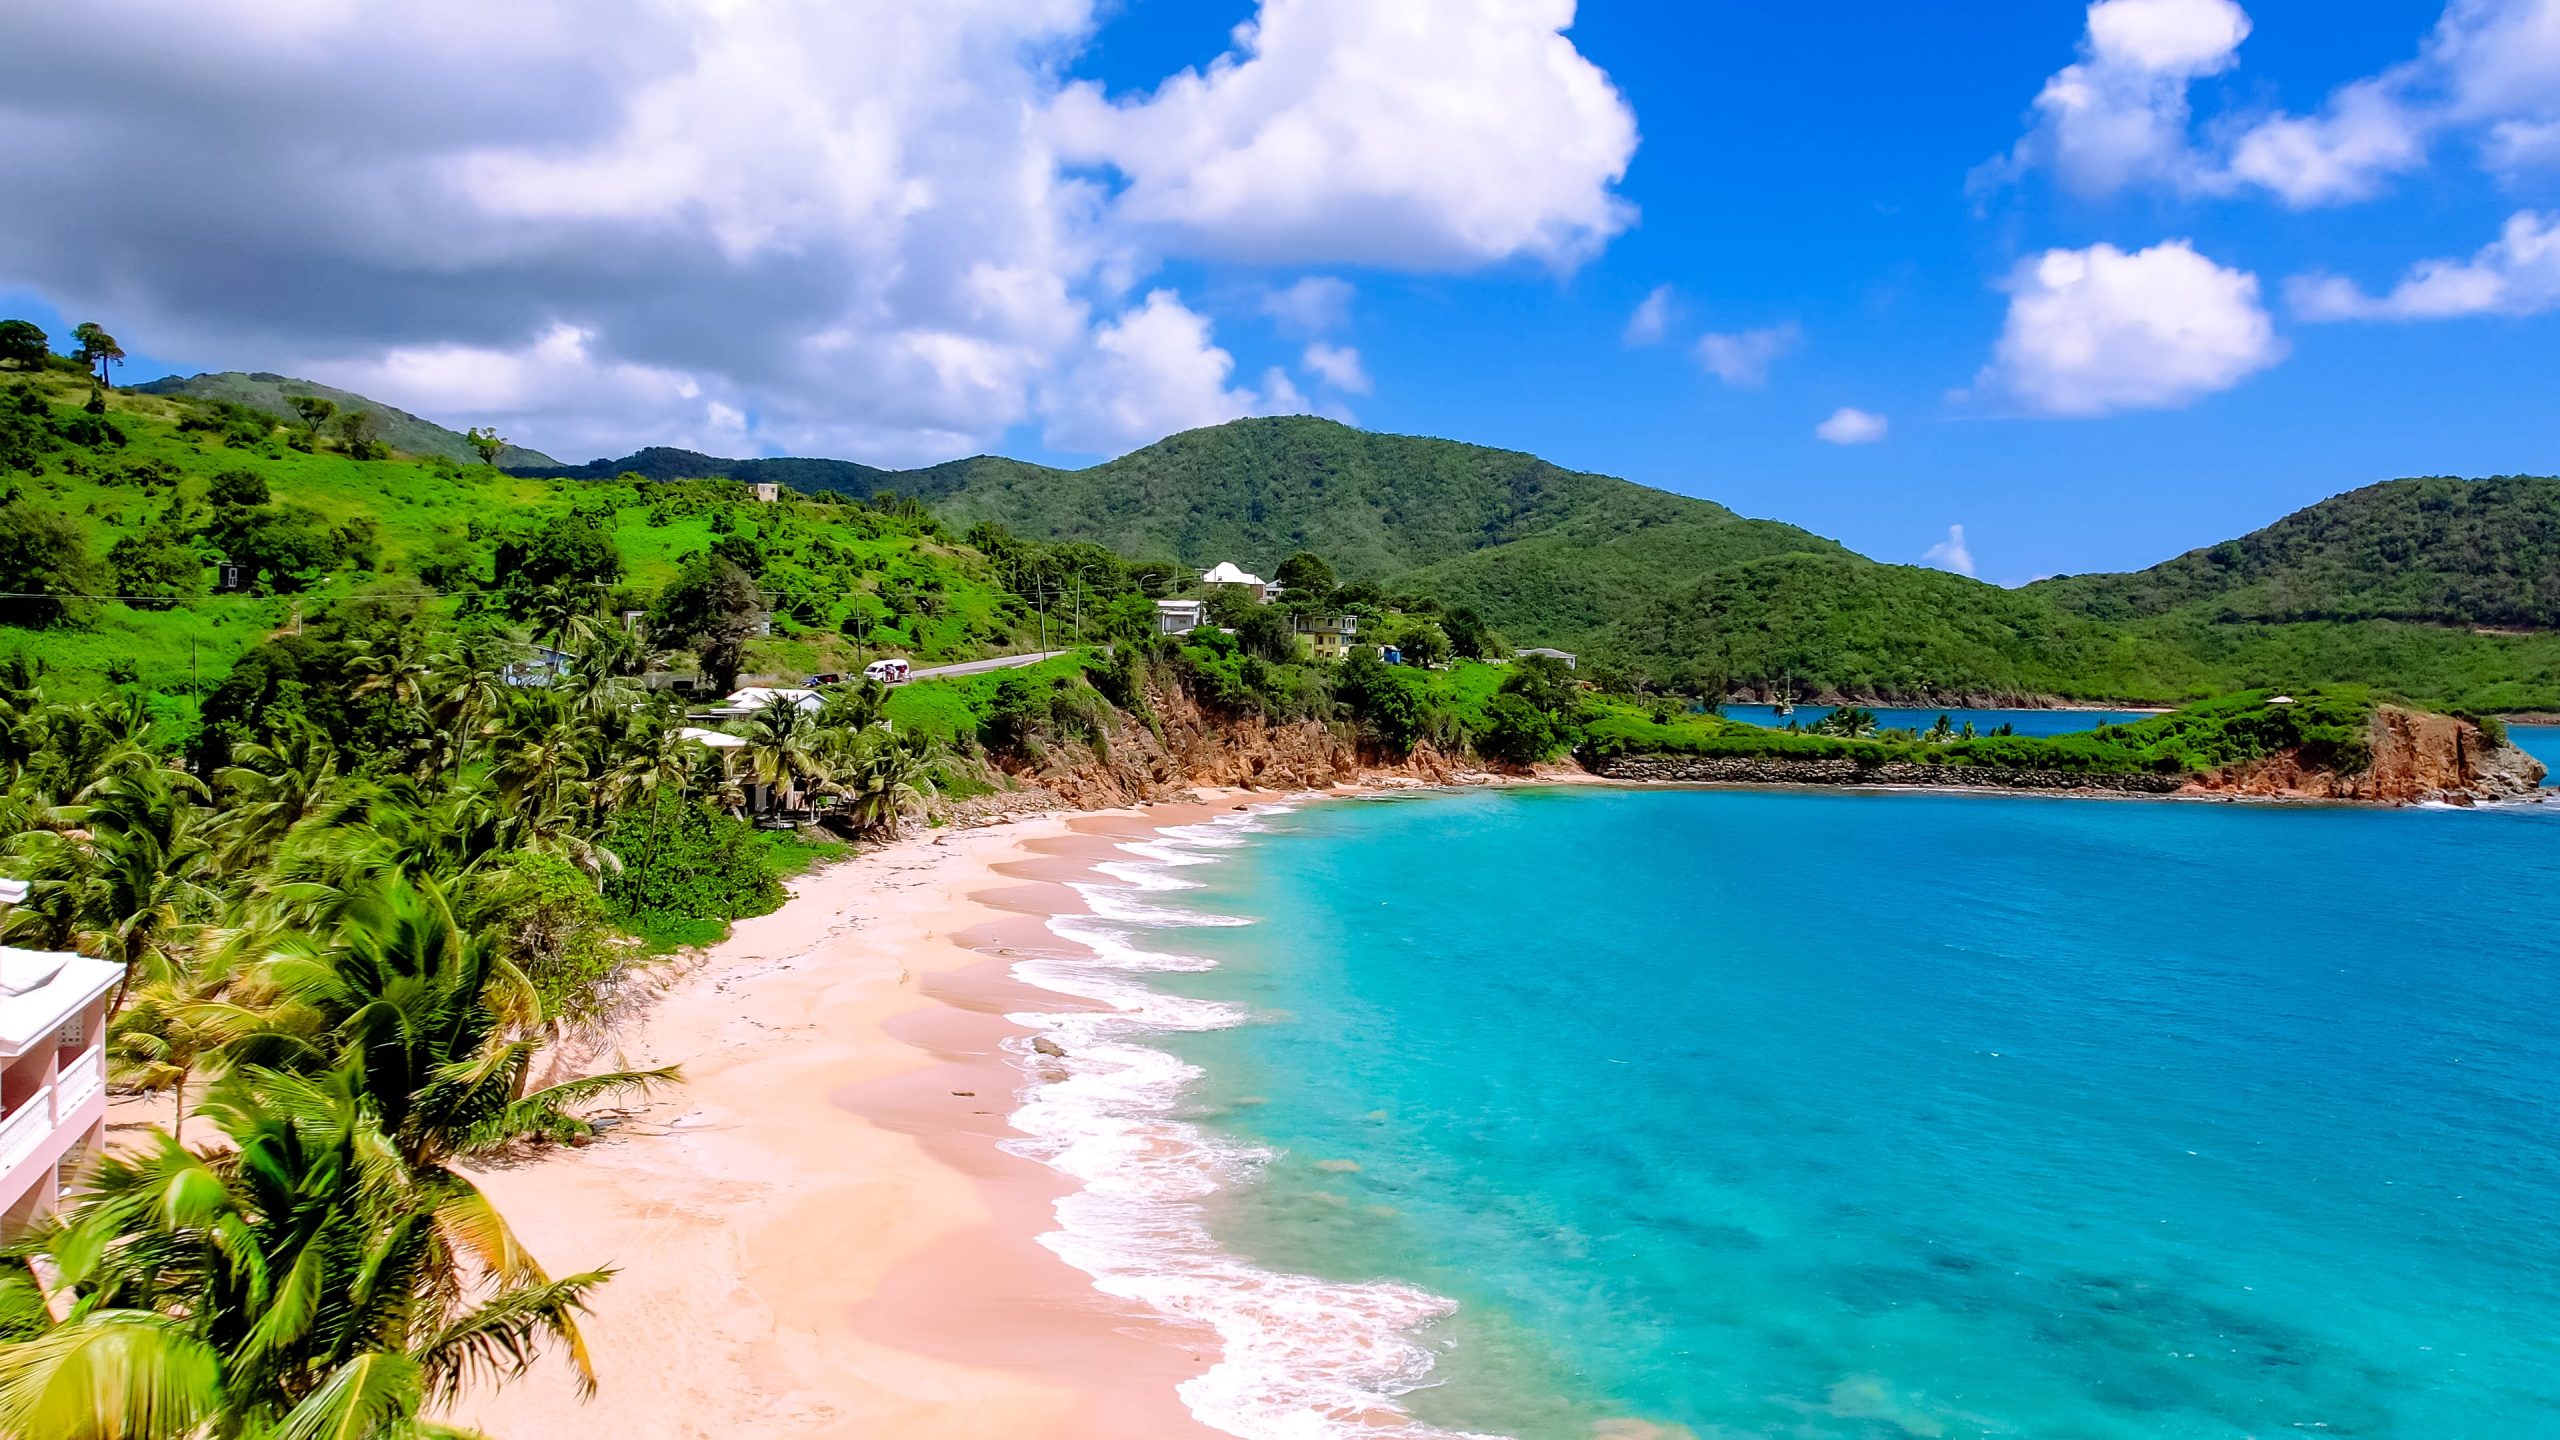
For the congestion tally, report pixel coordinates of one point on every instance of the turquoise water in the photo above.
(2026, 722)
(2542, 742)
(1828, 1115)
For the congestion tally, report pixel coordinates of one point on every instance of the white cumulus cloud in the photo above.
(861, 227)
(1743, 357)
(1339, 366)
(1312, 306)
(1850, 425)
(1429, 134)
(2516, 274)
(1651, 321)
(2099, 330)
(2119, 115)
(1149, 372)
(1951, 553)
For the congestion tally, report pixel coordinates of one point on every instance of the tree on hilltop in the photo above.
(97, 349)
(486, 440)
(1305, 576)
(23, 343)
(315, 410)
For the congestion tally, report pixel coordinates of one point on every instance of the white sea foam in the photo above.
(1304, 1359)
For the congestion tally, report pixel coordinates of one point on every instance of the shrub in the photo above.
(687, 862)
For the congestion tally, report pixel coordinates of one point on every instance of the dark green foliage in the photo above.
(158, 562)
(1305, 576)
(1469, 637)
(281, 549)
(684, 862)
(45, 568)
(237, 487)
(712, 606)
(1393, 707)
(566, 551)
(659, 462)
(2330, 729)
(2437, 551)
(24, 344)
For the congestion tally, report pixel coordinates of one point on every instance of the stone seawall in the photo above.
(1796, 770)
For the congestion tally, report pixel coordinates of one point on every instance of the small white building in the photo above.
(1546, 654)
(53, 1075)
(766, 492)
(1180, 617)
(1227, 572)
(755, 697)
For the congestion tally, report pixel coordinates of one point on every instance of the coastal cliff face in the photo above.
(2416, 757)
(1180, 745)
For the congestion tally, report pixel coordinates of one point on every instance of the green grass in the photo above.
(948, 709)
(824, 560)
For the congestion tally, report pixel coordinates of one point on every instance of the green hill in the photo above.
(125, 504)
(661, 462)
(2433, 551)
(1548, 555)
(274, 395)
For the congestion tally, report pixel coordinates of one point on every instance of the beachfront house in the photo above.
(1180, 617)
(1326, 637)
(1227, 572)
(53, 1074)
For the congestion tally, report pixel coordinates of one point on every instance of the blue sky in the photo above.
(1846, 193)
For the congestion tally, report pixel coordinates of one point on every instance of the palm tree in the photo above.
(880, 779)
(439, 1029)
(130, 880)
(784, 744)
(304, 1283)
(272, 786)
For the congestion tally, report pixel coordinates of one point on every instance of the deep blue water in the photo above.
(1767, 1113)
(2026, 722)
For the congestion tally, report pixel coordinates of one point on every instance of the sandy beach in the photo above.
(817, 1234)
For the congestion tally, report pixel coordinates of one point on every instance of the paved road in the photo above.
(979, 667)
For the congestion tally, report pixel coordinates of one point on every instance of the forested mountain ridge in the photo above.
(274, 395)
(662, 462)
(2435, 550)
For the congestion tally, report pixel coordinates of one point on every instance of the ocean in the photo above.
(1889, 717)
(1605, 1114)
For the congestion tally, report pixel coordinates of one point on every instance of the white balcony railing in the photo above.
(24, 1130)
(83, 1075)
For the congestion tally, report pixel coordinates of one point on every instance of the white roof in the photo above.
(716, 739)
(756, 697)
(1180, 604)
(1225, 572)
(40, 989)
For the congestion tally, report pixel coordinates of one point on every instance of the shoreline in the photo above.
(832, 1228)
(818, 1233)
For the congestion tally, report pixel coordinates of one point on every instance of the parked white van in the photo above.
(887, 672)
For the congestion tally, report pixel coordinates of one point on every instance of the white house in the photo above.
(1544, 653)
(1227, 572)
(766, 492)
(1180, 617)
(53, 1075)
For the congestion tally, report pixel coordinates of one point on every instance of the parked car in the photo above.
(822, 679)
(887, 672)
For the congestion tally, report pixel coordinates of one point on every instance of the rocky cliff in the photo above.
(1176, 744)
(2415, 757)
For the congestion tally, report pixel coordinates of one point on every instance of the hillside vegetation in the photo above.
(142, 501)
(2433, 551)
(274, 396)
(2446, 591)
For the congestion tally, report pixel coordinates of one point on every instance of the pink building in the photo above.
(53, 1075)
